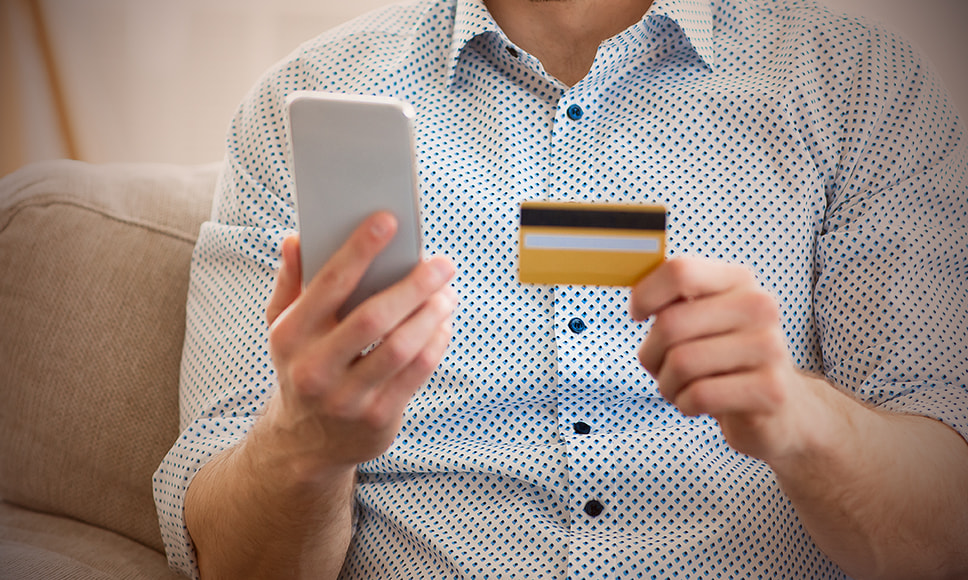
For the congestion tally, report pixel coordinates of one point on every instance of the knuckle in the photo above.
(699, 398)
(763, 305)
(645, 359)
(335, 279)
(689, 407)
(678, 360)
(770, 342)
(668, 322)
(307, 379)
(373, 418)
(426, 360)
(341, 407)
(381, 417)
(440, 305)
(347, 401)
(396, 352)
(681, 272)
(368, 321)
(666, 388)
(663, 325)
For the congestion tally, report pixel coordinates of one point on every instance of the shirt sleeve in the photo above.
(226, 371)
(892, 258)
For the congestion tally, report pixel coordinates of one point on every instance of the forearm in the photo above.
(255, 512)
(884, 495)
(280, 504)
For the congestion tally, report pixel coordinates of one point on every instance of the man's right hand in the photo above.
(336, 408)
(288, 487)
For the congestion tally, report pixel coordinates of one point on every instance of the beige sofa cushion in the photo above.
(53, 548)
(94, 263)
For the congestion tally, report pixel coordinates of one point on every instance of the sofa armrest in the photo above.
(94, 263)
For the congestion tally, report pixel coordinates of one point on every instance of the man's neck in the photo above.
(565, 34)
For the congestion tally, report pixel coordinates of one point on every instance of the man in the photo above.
(795, 406)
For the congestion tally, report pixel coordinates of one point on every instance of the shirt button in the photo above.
(582, 428)
(513, 52)
(574, 112)
(577, 325)
(594, 508)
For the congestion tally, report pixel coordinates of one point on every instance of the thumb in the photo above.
(288, 282)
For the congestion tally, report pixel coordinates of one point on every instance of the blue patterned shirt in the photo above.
(814, 148)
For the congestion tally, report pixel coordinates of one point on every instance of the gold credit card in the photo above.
(600, 244)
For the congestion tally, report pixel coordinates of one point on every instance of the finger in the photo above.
(334, 282)
(352, 396)
(381, 313)
(759, 391)
(390, 401)
(288, 282)
(709, 316)
(401, 346)
(723, 354)
(685, 279)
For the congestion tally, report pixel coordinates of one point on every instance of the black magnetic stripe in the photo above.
(593, 218)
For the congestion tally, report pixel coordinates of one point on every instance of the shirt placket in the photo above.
(581, 410)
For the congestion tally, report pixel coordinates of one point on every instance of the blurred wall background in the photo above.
(158, 80)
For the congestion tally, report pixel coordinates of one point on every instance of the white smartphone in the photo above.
(352, 156)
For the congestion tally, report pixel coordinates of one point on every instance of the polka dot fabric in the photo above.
(813, 148)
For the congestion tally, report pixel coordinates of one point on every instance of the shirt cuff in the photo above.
(200, 443)
(946, 403)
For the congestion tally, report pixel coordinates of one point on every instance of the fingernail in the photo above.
(381, 226)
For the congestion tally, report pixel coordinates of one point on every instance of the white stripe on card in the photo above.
(592, 243)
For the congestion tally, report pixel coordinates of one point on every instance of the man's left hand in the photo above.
(717, 347)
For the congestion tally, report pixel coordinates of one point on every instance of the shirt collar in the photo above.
(471, 19)
(694, 18)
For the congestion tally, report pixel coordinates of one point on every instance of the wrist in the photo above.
(829, 428)
(283, 445)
